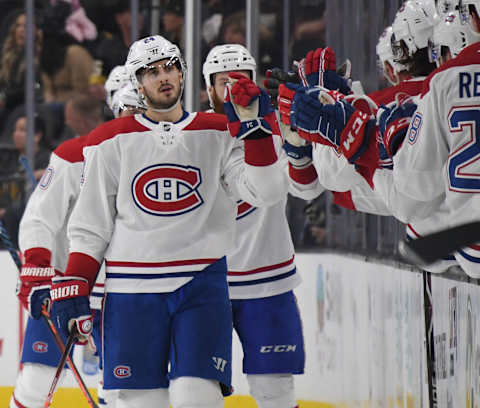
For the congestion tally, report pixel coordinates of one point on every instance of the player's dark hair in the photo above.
(419, 63)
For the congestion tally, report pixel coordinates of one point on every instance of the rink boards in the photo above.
(364, 336)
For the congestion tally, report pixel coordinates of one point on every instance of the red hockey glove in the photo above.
(318, 68)
(71, 306)
(33, 288)
(358, 142)
(247, 108)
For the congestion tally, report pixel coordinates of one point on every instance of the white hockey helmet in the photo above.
(227, 57)
(385, 53)
(117, 78)
(144, 52)
(454, 33)
(126, 97)
(413, 25)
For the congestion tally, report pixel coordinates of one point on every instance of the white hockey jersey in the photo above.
(44, 222)
(438, 163)
(158, 200)
(261, 263)
(351, 190)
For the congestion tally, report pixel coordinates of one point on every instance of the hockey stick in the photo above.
(8, 244)
(61, 364)
(431, 248)
(429, 340)
(24, 162)
(72, 365)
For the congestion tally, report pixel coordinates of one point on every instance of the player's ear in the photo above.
(211, 91)
(390, 72)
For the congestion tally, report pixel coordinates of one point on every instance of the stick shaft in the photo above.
(72, 365)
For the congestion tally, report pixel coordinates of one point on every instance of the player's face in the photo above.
(161, 84)
(217, 91)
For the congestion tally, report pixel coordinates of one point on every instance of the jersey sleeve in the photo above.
(254, 173)
(416, 187)
(50, 204)
(364, 199)
(334, 171)
(92, 221)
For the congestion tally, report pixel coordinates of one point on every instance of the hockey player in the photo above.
(44, 244)
(117, 79)
(126, 101)
(158, 203)
(261, 269)
(413, 27)
(438, 166)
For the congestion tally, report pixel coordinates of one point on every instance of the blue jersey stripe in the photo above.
(264, 280)
(111, 275)
(469, 257)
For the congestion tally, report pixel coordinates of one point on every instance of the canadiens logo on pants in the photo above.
(167, 189)
(122, 371)
(40, 347)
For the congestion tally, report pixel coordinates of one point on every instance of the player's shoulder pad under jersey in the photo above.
(72, 150)
(388, 95)
(208, 121)
(468, 56)
(112, 128)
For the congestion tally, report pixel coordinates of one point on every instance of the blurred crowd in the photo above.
(77, 45)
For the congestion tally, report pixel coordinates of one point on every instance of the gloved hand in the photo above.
(71, 306)
(247, 108)
(319, 67)
(274, 78)
(33, 288)
(393, 124)
(318, 122)
(286, 93)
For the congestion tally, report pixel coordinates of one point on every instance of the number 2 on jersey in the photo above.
(463, 174)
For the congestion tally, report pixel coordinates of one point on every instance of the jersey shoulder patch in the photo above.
(72, 150)
(208, 121)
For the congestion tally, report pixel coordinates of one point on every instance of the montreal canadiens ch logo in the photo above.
(167, 189)
(40, 347)
(122, 371)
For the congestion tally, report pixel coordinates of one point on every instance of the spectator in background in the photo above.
(233, 30)
(41, 151)
(113, 48)
(173, 21)
(67, 65)
(82, 113)
(12, 68)
(308, 27)
(13, 213)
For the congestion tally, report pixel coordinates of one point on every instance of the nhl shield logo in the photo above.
(167, 189)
